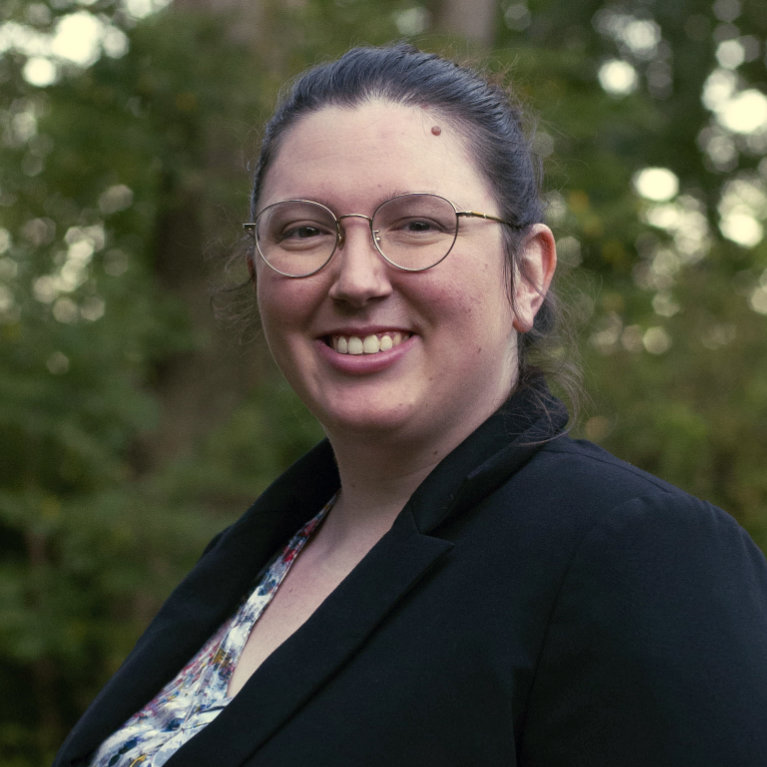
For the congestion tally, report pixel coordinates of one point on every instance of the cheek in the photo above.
(281, 301)
(266, 306)
(278, 320)
(475, 296)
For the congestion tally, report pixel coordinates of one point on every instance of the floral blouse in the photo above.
(198, 693)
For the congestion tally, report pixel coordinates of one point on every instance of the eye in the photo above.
(300, 231)
(303, 234)
(416, 218)
(419, 226)
(417, 229)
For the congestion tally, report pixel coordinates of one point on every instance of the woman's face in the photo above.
(451, 329)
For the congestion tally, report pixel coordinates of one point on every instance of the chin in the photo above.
(382, 422)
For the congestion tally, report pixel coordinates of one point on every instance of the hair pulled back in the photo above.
(483, 112)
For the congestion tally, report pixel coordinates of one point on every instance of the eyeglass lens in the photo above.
(412, 232)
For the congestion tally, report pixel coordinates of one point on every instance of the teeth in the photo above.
(371, 344)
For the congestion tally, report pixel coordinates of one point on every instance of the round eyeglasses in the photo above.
(412, 232)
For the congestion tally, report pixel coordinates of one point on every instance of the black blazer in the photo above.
(537, 602)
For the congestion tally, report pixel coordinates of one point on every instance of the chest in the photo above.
(445, 668)
(312, 577)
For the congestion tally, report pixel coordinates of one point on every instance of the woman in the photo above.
(465, 585)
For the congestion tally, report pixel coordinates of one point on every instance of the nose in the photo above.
(360, 274)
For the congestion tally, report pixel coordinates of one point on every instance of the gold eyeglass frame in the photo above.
(250, 227)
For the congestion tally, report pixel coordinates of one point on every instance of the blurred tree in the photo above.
(134, 425)
(654, 120)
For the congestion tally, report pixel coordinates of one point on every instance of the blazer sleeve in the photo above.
(656, 651)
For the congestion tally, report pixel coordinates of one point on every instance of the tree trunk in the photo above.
(198, 389)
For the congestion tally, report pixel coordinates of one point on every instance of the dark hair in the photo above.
(488, 118)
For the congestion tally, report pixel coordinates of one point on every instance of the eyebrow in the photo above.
(400, 192)
(378, 201)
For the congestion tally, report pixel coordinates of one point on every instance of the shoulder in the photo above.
(581, 484)
(567, 487)
(655, 650)
(617, 510)
(582, 465)
(621, 548)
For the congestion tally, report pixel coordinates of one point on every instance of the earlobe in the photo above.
(537, 263)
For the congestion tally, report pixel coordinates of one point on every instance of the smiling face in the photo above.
(377, 353)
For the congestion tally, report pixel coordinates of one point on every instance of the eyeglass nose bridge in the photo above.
(374, 233)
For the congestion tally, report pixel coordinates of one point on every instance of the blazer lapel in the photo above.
(489, 456)
(205, 598)
(288, 678)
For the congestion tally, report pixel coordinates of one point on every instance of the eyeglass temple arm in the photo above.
(487, 216)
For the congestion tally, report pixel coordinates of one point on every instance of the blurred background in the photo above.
(139, 413)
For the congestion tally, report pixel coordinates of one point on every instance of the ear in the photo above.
(537, 262)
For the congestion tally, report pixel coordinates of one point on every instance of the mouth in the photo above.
(370, 344)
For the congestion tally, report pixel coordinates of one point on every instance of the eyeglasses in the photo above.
(412, 232)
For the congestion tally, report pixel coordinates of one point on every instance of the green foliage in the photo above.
(133, 429)
(673, 334)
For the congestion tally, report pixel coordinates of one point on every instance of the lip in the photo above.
(364, 364)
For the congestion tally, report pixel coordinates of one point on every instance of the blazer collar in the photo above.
(288, 677)
(530, 418)
(314, 653)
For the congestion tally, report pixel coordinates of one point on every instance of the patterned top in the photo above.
(198, 693)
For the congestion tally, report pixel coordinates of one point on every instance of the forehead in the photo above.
(375, 149)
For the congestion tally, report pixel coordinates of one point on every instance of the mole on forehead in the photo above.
(436, 130)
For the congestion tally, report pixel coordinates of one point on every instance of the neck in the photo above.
(374, 489)
(381, 469)
(378, 474)
(375, 485)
